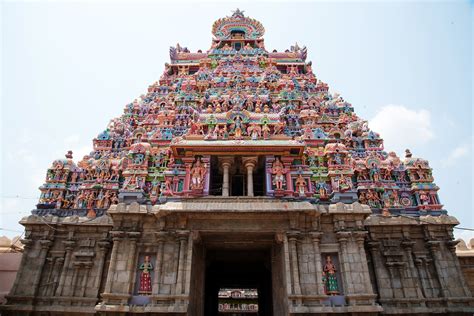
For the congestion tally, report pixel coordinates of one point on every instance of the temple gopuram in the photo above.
(238, 185)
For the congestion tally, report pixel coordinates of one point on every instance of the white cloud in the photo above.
(402, 128)
(457, 153)
(81, 152)
(72, 139)
(79, 147)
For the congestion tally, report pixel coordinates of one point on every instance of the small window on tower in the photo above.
(237, 46)
(237, 34)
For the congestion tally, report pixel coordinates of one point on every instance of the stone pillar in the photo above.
(73, 287)
(57, 270)
(249, 179)
(316, 237)
(189, 261)
(225, 163)
(412, 270)
(51, 262)
(434, 246)
(117, 237)
(342, 238)
(182, 236)
(286, 250)
(103, 246)
(225, 178)
(451, 245)
(289, 182)
(293, 237)
(360, 237)
(249, 163)
(87, 269)
(45, 244)
(133, 236)
(160, 238)
(188, 162)
(69, 245)
(381, 276)
(420, 275)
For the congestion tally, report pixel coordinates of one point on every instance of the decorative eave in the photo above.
(245, 205)
(379, 220)
(241, 147)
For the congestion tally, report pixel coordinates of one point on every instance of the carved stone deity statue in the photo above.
(300, 185)
(279, 171)
(145, 276)
(424, 198)
(374, 173)
(330, 278)
(198, 172)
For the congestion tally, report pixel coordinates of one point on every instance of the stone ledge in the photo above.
(379, 220)
(234, 205)
(50, 308)
(329, 310)
(354, 208)
(68, 220)
(132, 208)
(174, 308)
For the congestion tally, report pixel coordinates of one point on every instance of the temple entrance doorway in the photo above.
(238, 282)
(241, 269)
(237, 273)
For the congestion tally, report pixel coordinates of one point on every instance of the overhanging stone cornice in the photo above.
(379, 220)
(234, 204)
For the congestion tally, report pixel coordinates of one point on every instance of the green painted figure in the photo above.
(330, 278)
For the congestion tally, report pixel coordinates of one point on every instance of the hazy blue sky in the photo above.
(67, 68)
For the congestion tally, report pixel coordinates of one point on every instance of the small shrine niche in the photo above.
(278, 176)
(331, 274)
(198, 174)
(137, 167)
(145, 274)
(340, 172)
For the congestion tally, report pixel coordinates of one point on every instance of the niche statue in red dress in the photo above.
(145, 276)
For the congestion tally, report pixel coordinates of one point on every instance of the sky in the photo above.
(67, 68)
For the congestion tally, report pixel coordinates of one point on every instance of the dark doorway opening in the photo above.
(237, 177)
(237, 46)
(215, 187)
(238, 269)
(259, 178)
(237, 185)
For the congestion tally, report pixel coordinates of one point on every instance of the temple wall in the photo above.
(388, 265)
(465, 253)
(415, 267)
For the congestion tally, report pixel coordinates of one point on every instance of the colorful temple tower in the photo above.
(238, 177)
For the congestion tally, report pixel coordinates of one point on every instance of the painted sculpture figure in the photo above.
(197, 175)
(279, 172)
(300, 185)
(330, 277)
(145, 276)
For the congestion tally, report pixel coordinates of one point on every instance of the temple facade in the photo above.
(239, 185)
